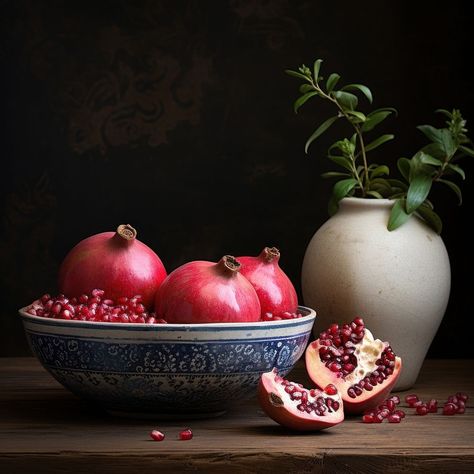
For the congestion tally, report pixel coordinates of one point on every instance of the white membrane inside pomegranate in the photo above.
(359, 362)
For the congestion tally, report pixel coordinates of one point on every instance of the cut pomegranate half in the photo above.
(363, 369)
(297, 408)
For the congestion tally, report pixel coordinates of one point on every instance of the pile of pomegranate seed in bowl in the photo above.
(127, 336)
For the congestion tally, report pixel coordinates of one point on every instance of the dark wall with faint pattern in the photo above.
(177, 117)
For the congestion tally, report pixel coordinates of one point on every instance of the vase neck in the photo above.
(361, 204)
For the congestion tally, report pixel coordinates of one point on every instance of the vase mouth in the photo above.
(366, 202)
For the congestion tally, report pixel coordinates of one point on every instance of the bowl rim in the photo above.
(169, 326)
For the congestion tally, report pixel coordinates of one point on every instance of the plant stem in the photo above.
(358, 132)
(364, 156)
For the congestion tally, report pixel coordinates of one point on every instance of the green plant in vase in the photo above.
(434, 163)
(399, 282)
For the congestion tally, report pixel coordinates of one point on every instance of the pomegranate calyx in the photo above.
(126, 232)
(229, 264)
(270, 253)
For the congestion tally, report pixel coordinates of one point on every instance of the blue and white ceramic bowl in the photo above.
(166, 369)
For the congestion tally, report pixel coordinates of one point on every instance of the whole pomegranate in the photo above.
(207, 292)
(364, 369)
(296, 407)
(275, 291)
(117, 262)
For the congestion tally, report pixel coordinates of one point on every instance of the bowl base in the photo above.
(165, 416)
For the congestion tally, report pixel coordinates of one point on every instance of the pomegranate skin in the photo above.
(116, 262)
(277, 404)
(274, 289)
(207, 292)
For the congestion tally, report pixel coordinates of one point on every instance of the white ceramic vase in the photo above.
(398, 281)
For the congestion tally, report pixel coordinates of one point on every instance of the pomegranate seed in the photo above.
(460, 410)
(462, 396)
(433, 406)
(157, 435)
(400, 413)
(65, 314)
(378, 418)
(186, 434)
(460, 404)
(450, 409)
(384, 413)
(390, 404)
(411, 399)
(368, 419)
(394, 418)
(395, 399)
(334, 367)
(359, 321)
(330, 389)
(422, 410)
(453, 399)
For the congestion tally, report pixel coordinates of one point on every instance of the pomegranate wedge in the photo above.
(363, 369)
(297, 408)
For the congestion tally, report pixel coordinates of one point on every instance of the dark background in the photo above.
(177, 117)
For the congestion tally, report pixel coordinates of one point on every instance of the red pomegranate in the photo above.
(363, 369)
(297, 408)
(207, 292)
(117, 262)
(275, 291)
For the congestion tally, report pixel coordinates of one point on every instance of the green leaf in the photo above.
(379, 141)
(403, 165)
(466, 150)
(319, 131)
(374, 119)
(436, 150)
(457, 169)
(398, 215)
(445, 112)
(418, 191)
(341, 189)
(454, 187)
(381, 185)
(332, 81)
(379, 171)
(364, 89)
(306, 88)
(375, 194)
(430, 160)
(346, 99)
(342, 161)
(302, 100)
(335, 174)
(448, 142)
(359, 115)
(296, 74)
(433, 134)
(316, 67)
(396, 183)
(431, 218)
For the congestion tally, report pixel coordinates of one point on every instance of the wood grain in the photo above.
(44, 429)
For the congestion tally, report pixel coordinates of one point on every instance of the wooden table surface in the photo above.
(45, 429)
